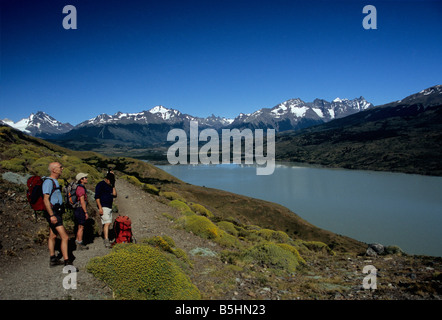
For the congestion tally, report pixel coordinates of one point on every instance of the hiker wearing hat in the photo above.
(80, 213)
(105, 193)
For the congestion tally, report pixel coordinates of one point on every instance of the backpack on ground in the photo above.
(71, 196)
(35, 192)
(123, 230)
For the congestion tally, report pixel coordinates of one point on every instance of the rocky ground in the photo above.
(25, 271)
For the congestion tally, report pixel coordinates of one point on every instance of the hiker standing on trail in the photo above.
(80, 213)
(105, 193)
(53, 201)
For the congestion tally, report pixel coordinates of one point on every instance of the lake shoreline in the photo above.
(352, 219)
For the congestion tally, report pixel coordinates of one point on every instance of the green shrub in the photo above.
(272, 235)
(200, 226)
(274, 256)
(201, 210)
(133, 180)
(165, 243)
(203, 227)
(228, 227)
(394, 250)
(318, 246)
(140, 272)
(180, 205)
(15, 165)
(172, 196)
(151, 189)
(293, 250)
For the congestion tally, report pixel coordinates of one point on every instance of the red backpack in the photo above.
(35, 192)
(123, 229)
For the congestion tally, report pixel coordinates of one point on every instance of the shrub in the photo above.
(167, 244)
(200, 226)
(201, 210)
(132, 180)
(228, 227)
(172, 196)
(205, 228)
(272, 255)
(318, 246)
(293, 250)
(164, 243)
(394, 250)
(140, 272)
(180, 205)
(151, 189)
(272, 235)
(15, 165)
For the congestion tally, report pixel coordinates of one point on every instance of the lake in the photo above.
(388, 208)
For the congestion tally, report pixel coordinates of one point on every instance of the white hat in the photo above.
(80, 176)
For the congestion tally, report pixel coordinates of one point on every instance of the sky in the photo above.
(221, 57)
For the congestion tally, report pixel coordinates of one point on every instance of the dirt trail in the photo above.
(32, 278)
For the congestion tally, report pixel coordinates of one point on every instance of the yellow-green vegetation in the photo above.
(132, 179)
(205, 228)
(141, 272)
(180, 205)
(25, 157)
(197, 208)
(172, 196)
(274, 256)
(145, 186)
(151, 189)
(167, 244)
(315, 246)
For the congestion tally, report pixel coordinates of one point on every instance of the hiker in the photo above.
(54, 209)
(80, 213)
(105, 193)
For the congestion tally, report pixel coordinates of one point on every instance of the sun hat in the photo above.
(80, 176)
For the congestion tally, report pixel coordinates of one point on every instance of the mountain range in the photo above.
(152, 124)
(403, 136)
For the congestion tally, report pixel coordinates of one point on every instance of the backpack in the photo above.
(35, 192)
(123, 229)
(71, 196)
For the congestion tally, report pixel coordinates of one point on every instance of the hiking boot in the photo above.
(107, 243)
(81, 246)
(54, 261)
(69, 263)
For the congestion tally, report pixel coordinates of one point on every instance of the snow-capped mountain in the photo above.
(156, 115)
(296, 114)
(40, 125)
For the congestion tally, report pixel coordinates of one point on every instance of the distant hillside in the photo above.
(402, 136)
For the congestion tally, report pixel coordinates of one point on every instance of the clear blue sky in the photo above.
(214, 56)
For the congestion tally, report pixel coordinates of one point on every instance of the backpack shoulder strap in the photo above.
(54, 186)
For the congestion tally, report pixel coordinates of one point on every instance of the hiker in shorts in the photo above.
(105, 193)
(80, 212)
(53, 201)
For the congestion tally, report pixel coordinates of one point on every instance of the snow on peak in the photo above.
(163, 112)
(337, 100)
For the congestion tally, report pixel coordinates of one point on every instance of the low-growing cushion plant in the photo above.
(141, 272)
